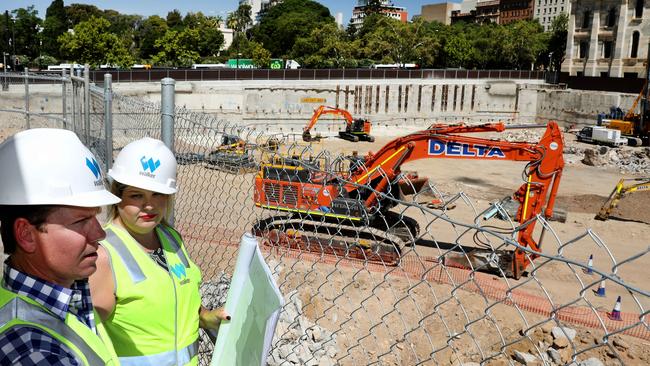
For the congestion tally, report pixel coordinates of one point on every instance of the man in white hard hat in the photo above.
(51, 188)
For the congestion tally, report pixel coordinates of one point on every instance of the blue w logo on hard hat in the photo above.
(93, 166)
(149, 164)
(178, 270)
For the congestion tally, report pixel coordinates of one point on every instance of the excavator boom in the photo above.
(355, 130)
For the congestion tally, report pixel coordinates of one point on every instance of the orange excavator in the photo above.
(355, 129)
(346, 213)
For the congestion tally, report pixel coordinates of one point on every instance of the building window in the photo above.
(635, 45)
(638, 9)
(630, 75)
(579, 73)
(611, 17)
(584, 46)
(607, 49)
(604, 74)
(586, 19)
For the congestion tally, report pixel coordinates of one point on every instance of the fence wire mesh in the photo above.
(382, 283)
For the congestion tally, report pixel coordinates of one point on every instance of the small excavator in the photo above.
(622, 189)
(355, 129)
(344, 210)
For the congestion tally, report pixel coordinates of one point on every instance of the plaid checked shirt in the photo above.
(24, 345)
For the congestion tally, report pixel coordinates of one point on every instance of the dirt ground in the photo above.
(583, 189)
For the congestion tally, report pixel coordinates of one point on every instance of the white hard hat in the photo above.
(46, 166)
(146, 164)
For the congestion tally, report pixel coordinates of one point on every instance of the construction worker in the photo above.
(51, 188)
(146, 288)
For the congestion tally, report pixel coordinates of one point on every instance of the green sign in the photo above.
(247, 63)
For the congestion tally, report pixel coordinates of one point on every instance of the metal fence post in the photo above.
(64, 112)
(167, 109)
(27, 98)
(87, 102)
(108, 119)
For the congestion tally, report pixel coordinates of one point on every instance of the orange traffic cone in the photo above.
(616, 312)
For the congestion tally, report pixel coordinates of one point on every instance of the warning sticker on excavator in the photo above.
(450, 148)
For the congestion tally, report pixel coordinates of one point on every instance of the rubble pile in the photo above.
(626, 160)
(549, 344)
(297, 340)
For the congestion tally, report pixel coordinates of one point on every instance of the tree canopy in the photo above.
(302, 30)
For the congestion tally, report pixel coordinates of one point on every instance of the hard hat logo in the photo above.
(94, 167)
(149, 164)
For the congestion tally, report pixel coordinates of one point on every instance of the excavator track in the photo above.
(365, 243)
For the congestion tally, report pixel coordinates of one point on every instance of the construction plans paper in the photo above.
(254, 303)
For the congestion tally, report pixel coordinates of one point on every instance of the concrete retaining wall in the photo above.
(408, 104)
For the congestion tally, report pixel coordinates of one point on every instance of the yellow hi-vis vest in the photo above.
(156, 316)
(87, 347)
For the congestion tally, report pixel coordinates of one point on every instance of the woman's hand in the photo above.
(211, 319)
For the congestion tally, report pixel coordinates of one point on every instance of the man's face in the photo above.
(66, 247)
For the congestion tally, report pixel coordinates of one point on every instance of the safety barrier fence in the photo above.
(347, 302)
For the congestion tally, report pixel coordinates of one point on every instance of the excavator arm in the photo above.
(362, 132)
(535, 196)
(322, 110)
(622, 188)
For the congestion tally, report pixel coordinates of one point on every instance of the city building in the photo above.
(513, 10)
(547, 10)
(227, 36)
(487, 11)
(608, 38)
(388, 9)
(438, 12)
(259, 7)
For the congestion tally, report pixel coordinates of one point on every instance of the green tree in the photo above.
(92, 43)
(152, 28)
(557, 41)
(177, 48)
(525, 43)
(78, 13)
(25, 32)
(327, 47)
(260, 55)
(284, 23)
(174, 19)
(54, 25)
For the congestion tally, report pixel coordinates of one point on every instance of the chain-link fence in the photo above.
(382, 266)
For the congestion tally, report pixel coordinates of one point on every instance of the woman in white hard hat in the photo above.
(146, 288)
(51, 188)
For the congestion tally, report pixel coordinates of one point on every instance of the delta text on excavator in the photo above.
(350, 207)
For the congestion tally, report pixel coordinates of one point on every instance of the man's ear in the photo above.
(25, 235)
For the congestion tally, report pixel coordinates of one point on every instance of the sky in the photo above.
(208, 7)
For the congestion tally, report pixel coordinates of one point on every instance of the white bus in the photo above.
(64, 67)
(209, 66)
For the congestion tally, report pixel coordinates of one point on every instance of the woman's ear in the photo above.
(25, 234)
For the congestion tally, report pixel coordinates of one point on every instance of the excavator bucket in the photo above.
(307, 137)
(411, 185)
(481, 260)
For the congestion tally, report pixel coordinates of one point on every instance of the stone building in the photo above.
(608, 38)
(547, 10)
(438, 12)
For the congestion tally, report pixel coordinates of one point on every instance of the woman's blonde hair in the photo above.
(118, 188)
